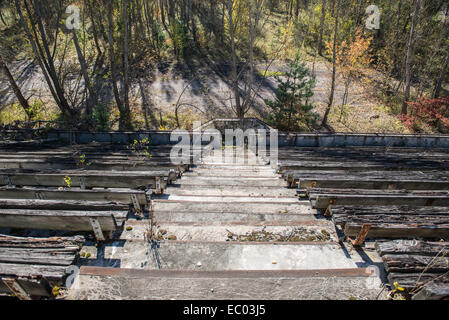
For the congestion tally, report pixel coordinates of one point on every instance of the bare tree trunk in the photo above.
(23, 102)
(125, 121)
(408, 62)
(94, 27)
(334, 66)
(50, 62)
(3, 19)
(320, 39)
(50, 77)
(235, 81)
(92, 99)
(118, 101)
(162, 7)
(192, 21)
(439, 83)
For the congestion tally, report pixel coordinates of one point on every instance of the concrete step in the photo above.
(205, 198)
(240, 191)
(234, 206)
(231, 166)
(248, 164)
(231, 173)
(231, 181)
(94, 283)
(208, 255)
(313, 230)
(177, 216)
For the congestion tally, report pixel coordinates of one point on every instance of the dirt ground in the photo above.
(202, 89)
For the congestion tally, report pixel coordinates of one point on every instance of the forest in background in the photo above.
(272, 58)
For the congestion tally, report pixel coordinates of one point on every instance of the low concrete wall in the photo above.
(284, 139)
(155, 137)
(298, 140)
(354, 140)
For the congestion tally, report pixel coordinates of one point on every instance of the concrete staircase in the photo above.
(227, 231)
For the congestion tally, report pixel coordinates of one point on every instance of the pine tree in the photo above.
(291, 110)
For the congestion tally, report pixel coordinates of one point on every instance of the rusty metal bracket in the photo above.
(362, 235)
(82, 183)
(158, 185)
(136, 203)
(39, 195)
(328, 213)
(97, 229)
(16, 288)
(8, 181)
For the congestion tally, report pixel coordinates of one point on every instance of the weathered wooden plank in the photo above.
(373, 197)
(389, 214)
(387, 210)
(403, 230)
(323, 201)
(418, 220)
(371, 183)
(64, 164)
(362, 151)
(36, 264)
(30, 262)
(418, 180)
(409, 263)
(63, 205)
(53, 273)
(36, 288)
(425, 248)
(41, 243)
(33, 256)
(415, 220)
(361, 166)
(372, 174)
(414, 193)
(87, 178)
(60, 219)
(73, 193)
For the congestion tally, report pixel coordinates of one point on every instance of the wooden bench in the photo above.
(410, 180)
(156, 180)
(106, 165)
(71, 215)
(30, 267)
(420, 267)
(322, 198)
(392, 221)
(342, 164)
(375, 157)
(362, 151)
(137, 198)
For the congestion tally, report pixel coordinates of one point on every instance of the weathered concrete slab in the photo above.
(101, 283)
(232, 181)
(192, 216)
(232, 191)
(242, 207)
(219, 231)
(219, 256)
(227, 166)
(229, 173)
(267, 199)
